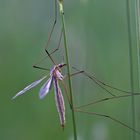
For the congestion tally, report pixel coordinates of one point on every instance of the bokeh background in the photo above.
(98, 41)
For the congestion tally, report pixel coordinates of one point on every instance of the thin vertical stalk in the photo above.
(137, 16)
(131, 65)
(137, 19)
(68, 67)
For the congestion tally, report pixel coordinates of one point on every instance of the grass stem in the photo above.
(132, 59)
(68, 66)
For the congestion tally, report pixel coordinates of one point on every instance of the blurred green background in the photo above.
(97, 32)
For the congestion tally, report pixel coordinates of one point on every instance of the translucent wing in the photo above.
(46, 88)
(59, 75)
(29, 87)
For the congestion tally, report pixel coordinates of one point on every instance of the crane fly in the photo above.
(56, 76)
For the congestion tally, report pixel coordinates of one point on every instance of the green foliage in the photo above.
(98, 42)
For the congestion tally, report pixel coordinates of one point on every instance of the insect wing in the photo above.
(46, 88)
(29, 87)
(59, 75)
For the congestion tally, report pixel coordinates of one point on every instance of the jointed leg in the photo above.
(95, 81)
(41, 68)
(49, 54)
(66, 93)
(93, 78)
(58, 43)
(105, 99)
(109, 117)
(49, 38)
(54, 23)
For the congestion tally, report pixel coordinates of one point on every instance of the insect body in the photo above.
(55, 76)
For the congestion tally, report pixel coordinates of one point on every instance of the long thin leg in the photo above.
(101, 100)
(66, 93)
(54, 23)
(49, 55)
(41, 68)
(49, 38)
(105, 99)
(96, 82)
(56, 49)
(93, 78)
(109, 117)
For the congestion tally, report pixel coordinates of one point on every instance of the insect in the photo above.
(55, 76)
(92, 77)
